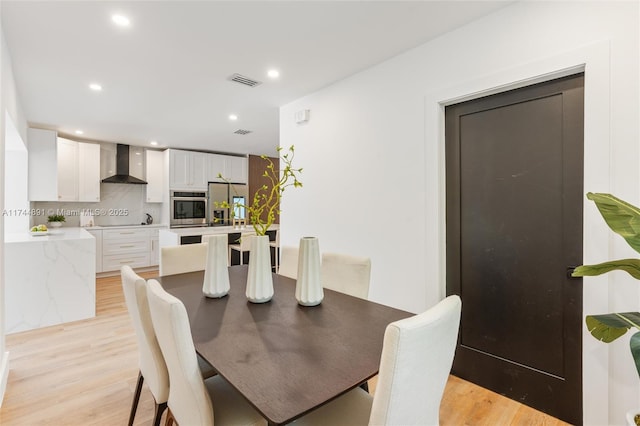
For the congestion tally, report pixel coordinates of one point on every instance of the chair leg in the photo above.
(170, 418)
(136, 398)
(159, 410)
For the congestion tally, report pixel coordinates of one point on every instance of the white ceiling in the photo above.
(165, 77)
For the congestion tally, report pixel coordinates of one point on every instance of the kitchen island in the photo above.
(49, 279)
(177, 236)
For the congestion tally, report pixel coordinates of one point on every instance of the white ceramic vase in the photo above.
(308, 286)
(216, 273)
(55, 224)
(259, 279)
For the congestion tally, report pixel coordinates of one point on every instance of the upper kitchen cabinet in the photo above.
(232, 169)
(188, 170)
(155, 176)
(67, 170)
(236, 169)
(216, 166)
(61, 169)
(88, 171)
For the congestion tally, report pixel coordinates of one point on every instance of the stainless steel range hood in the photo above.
(122, 168)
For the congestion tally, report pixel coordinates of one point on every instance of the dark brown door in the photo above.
(514, 170)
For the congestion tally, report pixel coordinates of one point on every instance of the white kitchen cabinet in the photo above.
(127, 246)
(136, 246)
(88, 172)
(97, 234)
(216, 166)
(134, 260)
(155, 176)
(67, 159)
(236, 169)
(43, 165)
(154, 252)
(57, 166)
(180, 169)
(199, 175)
(188, 170)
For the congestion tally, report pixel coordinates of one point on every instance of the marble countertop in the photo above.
(206, 230)
(54, 234)
(155, 225)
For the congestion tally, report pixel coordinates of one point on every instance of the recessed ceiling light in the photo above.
(138, 153)
(95, 87)
(154, 143)
(233, 117)
(79, 132)
(120, 20)
(273, 73)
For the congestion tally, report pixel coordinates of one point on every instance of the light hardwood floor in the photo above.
(84, 373)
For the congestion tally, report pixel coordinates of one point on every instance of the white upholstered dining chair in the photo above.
(417, 356)
(182, 259)
(151, 362)
(191, 397)
(288, 262)
(242, 246)
(347, 274)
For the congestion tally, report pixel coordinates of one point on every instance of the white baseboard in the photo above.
(4, 375)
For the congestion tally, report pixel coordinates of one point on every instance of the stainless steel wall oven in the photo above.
(188, 209)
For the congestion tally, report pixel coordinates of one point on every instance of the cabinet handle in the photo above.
(127, 246)
(125, 233)
(125, 261)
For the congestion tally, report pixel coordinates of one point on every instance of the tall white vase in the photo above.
(308, 286)
(216, 273)
(259, 279)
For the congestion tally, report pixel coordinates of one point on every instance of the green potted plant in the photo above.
(266, 201)
(55, 220)
(624, 219)
(262, 213)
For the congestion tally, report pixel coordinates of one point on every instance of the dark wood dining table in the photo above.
(285, 359)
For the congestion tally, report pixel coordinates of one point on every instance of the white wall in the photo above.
(9, 103)
(373, 158)
(16, 195)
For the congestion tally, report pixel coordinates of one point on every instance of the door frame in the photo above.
(593, 60)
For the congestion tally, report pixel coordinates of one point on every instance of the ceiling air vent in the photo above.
(242, 132)
(238, 78)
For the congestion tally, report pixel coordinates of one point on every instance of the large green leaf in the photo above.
(635, 350)
(623, 218)
(608, 327)
(631, 266)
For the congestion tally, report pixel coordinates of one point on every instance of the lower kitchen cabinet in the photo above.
(114, 262)
(154, 253)
(134, 246)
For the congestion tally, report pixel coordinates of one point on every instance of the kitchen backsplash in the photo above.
(120, 204)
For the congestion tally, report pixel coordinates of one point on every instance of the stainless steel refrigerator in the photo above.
(232, 193)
